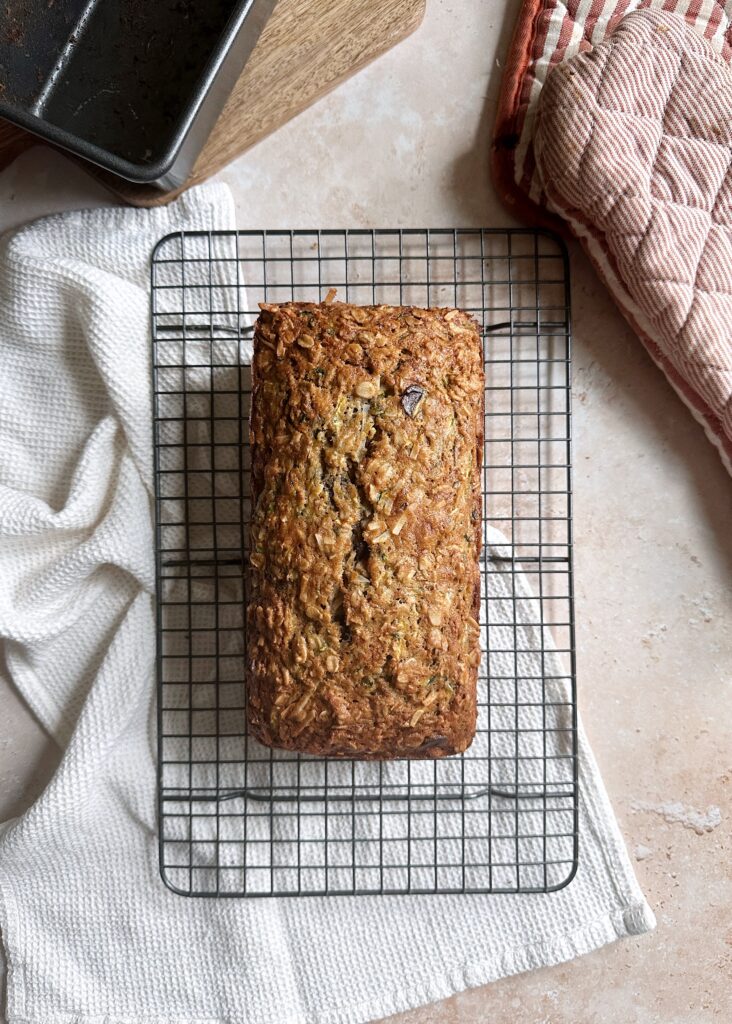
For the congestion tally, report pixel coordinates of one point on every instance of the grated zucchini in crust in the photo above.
(366, 440)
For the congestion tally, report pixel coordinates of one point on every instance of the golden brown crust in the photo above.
(367, 443)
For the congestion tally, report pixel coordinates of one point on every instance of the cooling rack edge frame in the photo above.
(563, 251)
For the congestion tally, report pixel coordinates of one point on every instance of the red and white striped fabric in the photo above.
(633, 145)
(629, 144)
(547, 33)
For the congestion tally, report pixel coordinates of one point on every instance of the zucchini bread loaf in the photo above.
(364, 591)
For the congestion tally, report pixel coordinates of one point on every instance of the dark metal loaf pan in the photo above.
(135, 86)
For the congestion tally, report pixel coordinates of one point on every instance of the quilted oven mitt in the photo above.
(634, 145)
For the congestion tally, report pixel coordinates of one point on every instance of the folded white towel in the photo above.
(90, 933)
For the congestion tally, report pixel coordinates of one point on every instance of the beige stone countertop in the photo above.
(405, 143)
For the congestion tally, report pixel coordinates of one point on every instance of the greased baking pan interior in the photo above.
(123, 82)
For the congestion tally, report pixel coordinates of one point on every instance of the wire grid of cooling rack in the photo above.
(238, 819)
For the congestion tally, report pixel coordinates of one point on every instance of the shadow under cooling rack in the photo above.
(238, 819)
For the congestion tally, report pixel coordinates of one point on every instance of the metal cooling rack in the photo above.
(237, 819)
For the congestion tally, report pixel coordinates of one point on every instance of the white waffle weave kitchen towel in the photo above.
(89, 932)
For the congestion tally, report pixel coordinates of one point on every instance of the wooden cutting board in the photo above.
(306, 49)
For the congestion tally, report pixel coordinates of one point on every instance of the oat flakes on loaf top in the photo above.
(366, 439)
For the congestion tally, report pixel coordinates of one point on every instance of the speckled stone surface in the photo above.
(406, 143)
